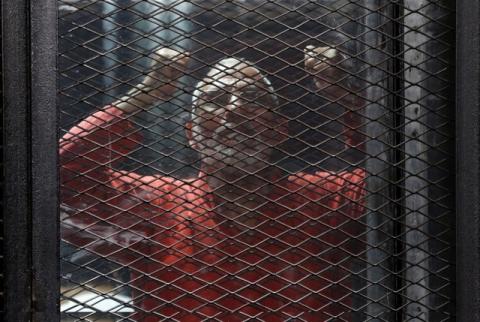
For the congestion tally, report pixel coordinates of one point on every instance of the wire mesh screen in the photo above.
(256, 160)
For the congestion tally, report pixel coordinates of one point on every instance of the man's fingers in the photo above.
(167, 66)
(318, 56)
(167, 56)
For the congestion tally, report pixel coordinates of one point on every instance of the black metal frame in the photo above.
(30, 160)
(468, 163)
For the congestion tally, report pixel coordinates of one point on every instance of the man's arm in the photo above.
(333, 82)
(159, 84)
(108, 134)
(96, 195)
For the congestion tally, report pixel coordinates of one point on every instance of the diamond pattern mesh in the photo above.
(256, 160)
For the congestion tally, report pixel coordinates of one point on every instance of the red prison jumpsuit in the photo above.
(188, 263)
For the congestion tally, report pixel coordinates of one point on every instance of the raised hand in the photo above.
(324, 64)
(159, 84)
(330, 79)
(167, 67)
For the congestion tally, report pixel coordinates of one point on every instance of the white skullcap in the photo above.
(225, 67)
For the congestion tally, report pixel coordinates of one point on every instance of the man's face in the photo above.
(233, 126)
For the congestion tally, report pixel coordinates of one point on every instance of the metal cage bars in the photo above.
(405, 26)
(30, 233)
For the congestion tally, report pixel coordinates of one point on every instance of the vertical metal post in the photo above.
(44, 166)
(468, 161)
(379, 219)
(30, 154)
(415, 40)
(16, 149)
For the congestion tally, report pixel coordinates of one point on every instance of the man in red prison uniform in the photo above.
(241, 241)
